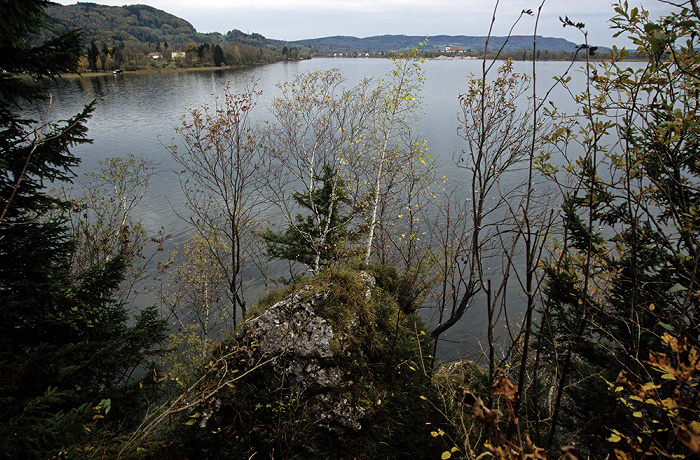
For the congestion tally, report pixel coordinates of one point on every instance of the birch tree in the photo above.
(221, 180)
(390, 141)
(319, 124)
(195, 292)
(102, 222)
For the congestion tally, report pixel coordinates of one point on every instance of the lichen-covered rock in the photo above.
(369, 282)
(337, 414)
(296, 339)
(292, 326)
(295, 343)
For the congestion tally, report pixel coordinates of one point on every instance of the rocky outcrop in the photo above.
(296, 339)
(333, 370)
(300, 348)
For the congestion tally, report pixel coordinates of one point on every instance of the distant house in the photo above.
(155, 55)
(453, 49)
(177, 55)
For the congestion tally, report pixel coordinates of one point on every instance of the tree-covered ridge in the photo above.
(137, 37)
(140, 23)
(437, 42)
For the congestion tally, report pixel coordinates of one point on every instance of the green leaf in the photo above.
(677, 287)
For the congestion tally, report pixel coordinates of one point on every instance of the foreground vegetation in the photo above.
(384, 377)
(592, 215)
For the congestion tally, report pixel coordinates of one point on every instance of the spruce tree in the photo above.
(307, 236)
(218, 56)
(65, 348)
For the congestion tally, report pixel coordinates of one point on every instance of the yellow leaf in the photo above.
(637, 414)
(689, 438)
(614, 438)
(669, 403)
(619, 455)
(650, 386)
(445, 455)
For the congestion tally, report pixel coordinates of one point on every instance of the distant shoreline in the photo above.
(199, 69)
(150, 71)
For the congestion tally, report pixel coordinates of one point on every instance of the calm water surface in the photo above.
(136, 114)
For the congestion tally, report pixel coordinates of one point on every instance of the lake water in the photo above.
(136, 114)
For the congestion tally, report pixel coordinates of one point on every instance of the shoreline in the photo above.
(205, 68)
(151, 71)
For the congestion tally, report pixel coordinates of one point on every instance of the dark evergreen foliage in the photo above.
(92, 55)
(65, 348)
(299, 242)
(218, 56)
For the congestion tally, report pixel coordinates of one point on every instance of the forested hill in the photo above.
(140, 23)
(145, 24)
(438, 42)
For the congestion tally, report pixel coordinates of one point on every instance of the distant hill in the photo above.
(145, 24)
(437, 42)
(139, 23)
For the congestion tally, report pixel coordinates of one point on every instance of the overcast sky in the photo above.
(299, 19)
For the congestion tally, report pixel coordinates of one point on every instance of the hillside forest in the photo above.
(134, 37)
(591, 218)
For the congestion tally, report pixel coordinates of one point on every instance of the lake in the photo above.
(136, 114)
